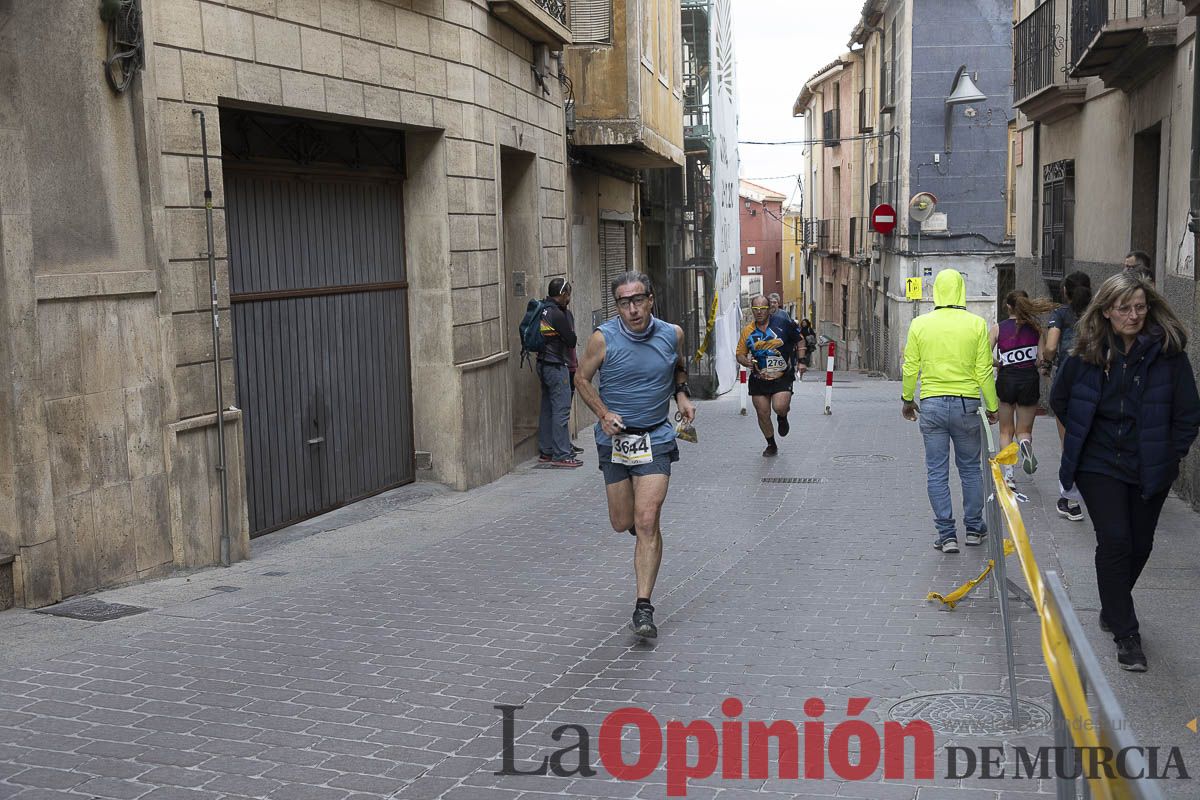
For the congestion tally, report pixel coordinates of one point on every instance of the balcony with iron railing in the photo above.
(832, 127)
(1123, 42)
(541, 21)
(1042, 89)
(860, 238)
(829, 236)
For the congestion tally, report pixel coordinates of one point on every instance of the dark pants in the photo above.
(1124, 524)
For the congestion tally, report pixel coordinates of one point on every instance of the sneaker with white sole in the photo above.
(1028, 459)
(1071, 511)
(947, 545)
(975, 538)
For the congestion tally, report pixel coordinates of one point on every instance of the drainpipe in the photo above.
(1194, 215)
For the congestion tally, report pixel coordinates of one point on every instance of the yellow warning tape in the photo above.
(1056, 649)
(712, 321)
(955, 597)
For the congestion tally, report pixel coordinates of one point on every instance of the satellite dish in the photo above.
(922, 206)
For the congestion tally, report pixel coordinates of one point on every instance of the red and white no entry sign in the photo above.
(883, 219)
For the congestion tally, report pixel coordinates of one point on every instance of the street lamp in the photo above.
(962, 91)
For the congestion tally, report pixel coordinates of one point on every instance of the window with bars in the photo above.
(1058, 217)
(591, 21)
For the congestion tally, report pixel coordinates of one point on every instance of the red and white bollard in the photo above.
(829, 379)
(743, 388)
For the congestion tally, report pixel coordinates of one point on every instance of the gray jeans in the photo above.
(553, 424)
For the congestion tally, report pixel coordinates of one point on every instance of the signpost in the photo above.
(883, 219)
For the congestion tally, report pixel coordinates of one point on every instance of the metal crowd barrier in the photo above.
(1070, 660)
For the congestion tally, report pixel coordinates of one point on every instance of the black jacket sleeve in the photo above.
(1185, 407)
(562, 326)
(1060, 392)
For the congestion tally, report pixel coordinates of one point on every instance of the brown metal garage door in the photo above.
(321, 336)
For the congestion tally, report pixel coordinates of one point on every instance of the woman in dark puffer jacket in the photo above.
(1127, 396)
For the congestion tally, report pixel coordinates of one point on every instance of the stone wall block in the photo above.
(489, 235)
(188, 234)
(458, 12)
(139, 342)
(306, 12)
(168, 73)
(35, 503)
(466, 305)
(468, 343)
(493, 336)
(321, 51)
(430, 8)
(301, 90)
(491, 302)
(78, 567)
(116, 545)
(382, 103)
(416, 109)
(194, 388)
(341, 16)
(464, 232)
(193, 338)
(204, 292)
(277, 42)
(100, 344)
(180, 286)
(460, 158)
(460, 270)
(39, 578)
(9, 535)
(151, 522)
(398, 69)
(378, 21)
(70, 448)
(344, 97)
(177, 22)
(108, 439)
(207, 78)
(431, 75)
(412, 31)
(456, 195)
(258, 83)
(227, 32)
(195, 541)
(486, 159)
(360, 60)
(484, 269)
(483, 87)
(173, 174)
(216, 176)
(257, 6)
(143, 432)
(444, 40)
(61, 361)
(460, 83)
(448, 115)
(485, 197)
(14, 178)
(179, 128)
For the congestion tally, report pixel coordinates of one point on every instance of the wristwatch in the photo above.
(684, 388)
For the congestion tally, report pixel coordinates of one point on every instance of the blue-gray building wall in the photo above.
(971, 181)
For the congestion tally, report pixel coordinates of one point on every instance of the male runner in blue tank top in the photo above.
(641, 365)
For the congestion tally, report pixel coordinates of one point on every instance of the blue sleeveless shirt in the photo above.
(637, 378)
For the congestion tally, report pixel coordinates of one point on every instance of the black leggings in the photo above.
(1124, 523)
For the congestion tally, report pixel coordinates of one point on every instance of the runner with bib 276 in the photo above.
(641, 365)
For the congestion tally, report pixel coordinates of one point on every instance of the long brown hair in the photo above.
(1026, 311)
(1093, 331)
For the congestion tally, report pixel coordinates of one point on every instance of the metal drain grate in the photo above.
(970, 714)
(863, 460)
(91, 610)
(793, 480)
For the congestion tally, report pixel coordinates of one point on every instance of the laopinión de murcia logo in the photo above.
(853, 750)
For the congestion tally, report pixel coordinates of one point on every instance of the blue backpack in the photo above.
(532, 340)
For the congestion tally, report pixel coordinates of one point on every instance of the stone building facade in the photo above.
(442, 118)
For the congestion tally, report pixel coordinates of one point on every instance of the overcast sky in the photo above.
(780, 44)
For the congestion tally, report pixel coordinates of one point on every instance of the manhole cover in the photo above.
(793, 480)
(969, 714)
(91, 610)
(863, 460)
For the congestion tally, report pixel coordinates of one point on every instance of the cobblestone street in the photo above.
(361, 655)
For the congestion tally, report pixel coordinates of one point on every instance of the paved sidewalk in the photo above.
(361, 655)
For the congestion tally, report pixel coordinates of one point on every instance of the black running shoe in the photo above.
(784, 426)
(643, 622)
(1129, 654)
(1070, 510)
(771, 451)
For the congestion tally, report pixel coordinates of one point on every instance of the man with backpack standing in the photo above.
(556, 331)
